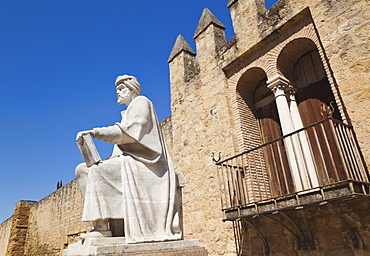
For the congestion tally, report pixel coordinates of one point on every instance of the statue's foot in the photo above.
(96, 234)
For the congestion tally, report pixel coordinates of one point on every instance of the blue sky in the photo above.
(58, 63)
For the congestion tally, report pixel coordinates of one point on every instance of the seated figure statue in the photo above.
(137, 183)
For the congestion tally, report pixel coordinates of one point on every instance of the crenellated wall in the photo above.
(206, 119)
(202, 125)
(205, 106)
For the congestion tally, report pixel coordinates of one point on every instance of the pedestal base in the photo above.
(116, 246)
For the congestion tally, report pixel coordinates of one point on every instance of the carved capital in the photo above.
(290, 90)
(278, 85)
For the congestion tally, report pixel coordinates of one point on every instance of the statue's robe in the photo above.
(138, 183)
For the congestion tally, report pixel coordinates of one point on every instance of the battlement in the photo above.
(251, 22)
(213, 100)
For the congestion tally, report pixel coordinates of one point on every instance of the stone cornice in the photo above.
(278, 84)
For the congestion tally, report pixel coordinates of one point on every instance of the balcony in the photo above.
(311, 166)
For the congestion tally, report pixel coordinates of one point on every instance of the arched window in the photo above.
(312, 100)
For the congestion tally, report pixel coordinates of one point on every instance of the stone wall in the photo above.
(48, 226)
(5, 228)
(55, 221)
(204, 101)
(202, 125)
(329, 234)
(19, 228)
(344, 28)
(166, 127)
(205, 120)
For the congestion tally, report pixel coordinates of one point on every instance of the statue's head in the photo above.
(127, 88)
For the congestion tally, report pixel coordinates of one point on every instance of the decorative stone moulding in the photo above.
(278, 84)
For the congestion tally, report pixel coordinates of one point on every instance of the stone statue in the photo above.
(137, 183)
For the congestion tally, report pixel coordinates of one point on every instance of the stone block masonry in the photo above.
(48, 226)
(55, 222)
(205, 106)
(19, 228)
(5, 229)
(323, 232)
(201, 124)
(206, 118)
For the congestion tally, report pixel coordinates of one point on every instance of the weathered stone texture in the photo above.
(166, 127)
(205, 119)
(344, 28)
(55, 221)
(5, 229)
(201, 125)
(204, 108)
(19, 228)
(330, 236)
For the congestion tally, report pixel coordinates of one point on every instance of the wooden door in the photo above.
(277, 165)
(314, 93)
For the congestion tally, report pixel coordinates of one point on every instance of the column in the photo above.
(298, 124)
(278, 85)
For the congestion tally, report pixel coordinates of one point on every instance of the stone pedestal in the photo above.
(116, 246)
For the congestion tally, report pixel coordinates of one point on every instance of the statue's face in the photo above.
(123, 94)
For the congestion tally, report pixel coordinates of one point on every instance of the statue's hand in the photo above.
(82, 133)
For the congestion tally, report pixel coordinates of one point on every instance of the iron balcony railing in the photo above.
(321, 154)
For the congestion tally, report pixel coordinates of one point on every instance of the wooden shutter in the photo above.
(314, 91)
(275, 155)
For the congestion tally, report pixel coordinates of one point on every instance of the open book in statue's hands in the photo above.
(88, 150)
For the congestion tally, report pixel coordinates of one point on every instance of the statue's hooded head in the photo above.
(130, 82)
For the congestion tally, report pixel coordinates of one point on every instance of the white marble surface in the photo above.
(138, 183)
